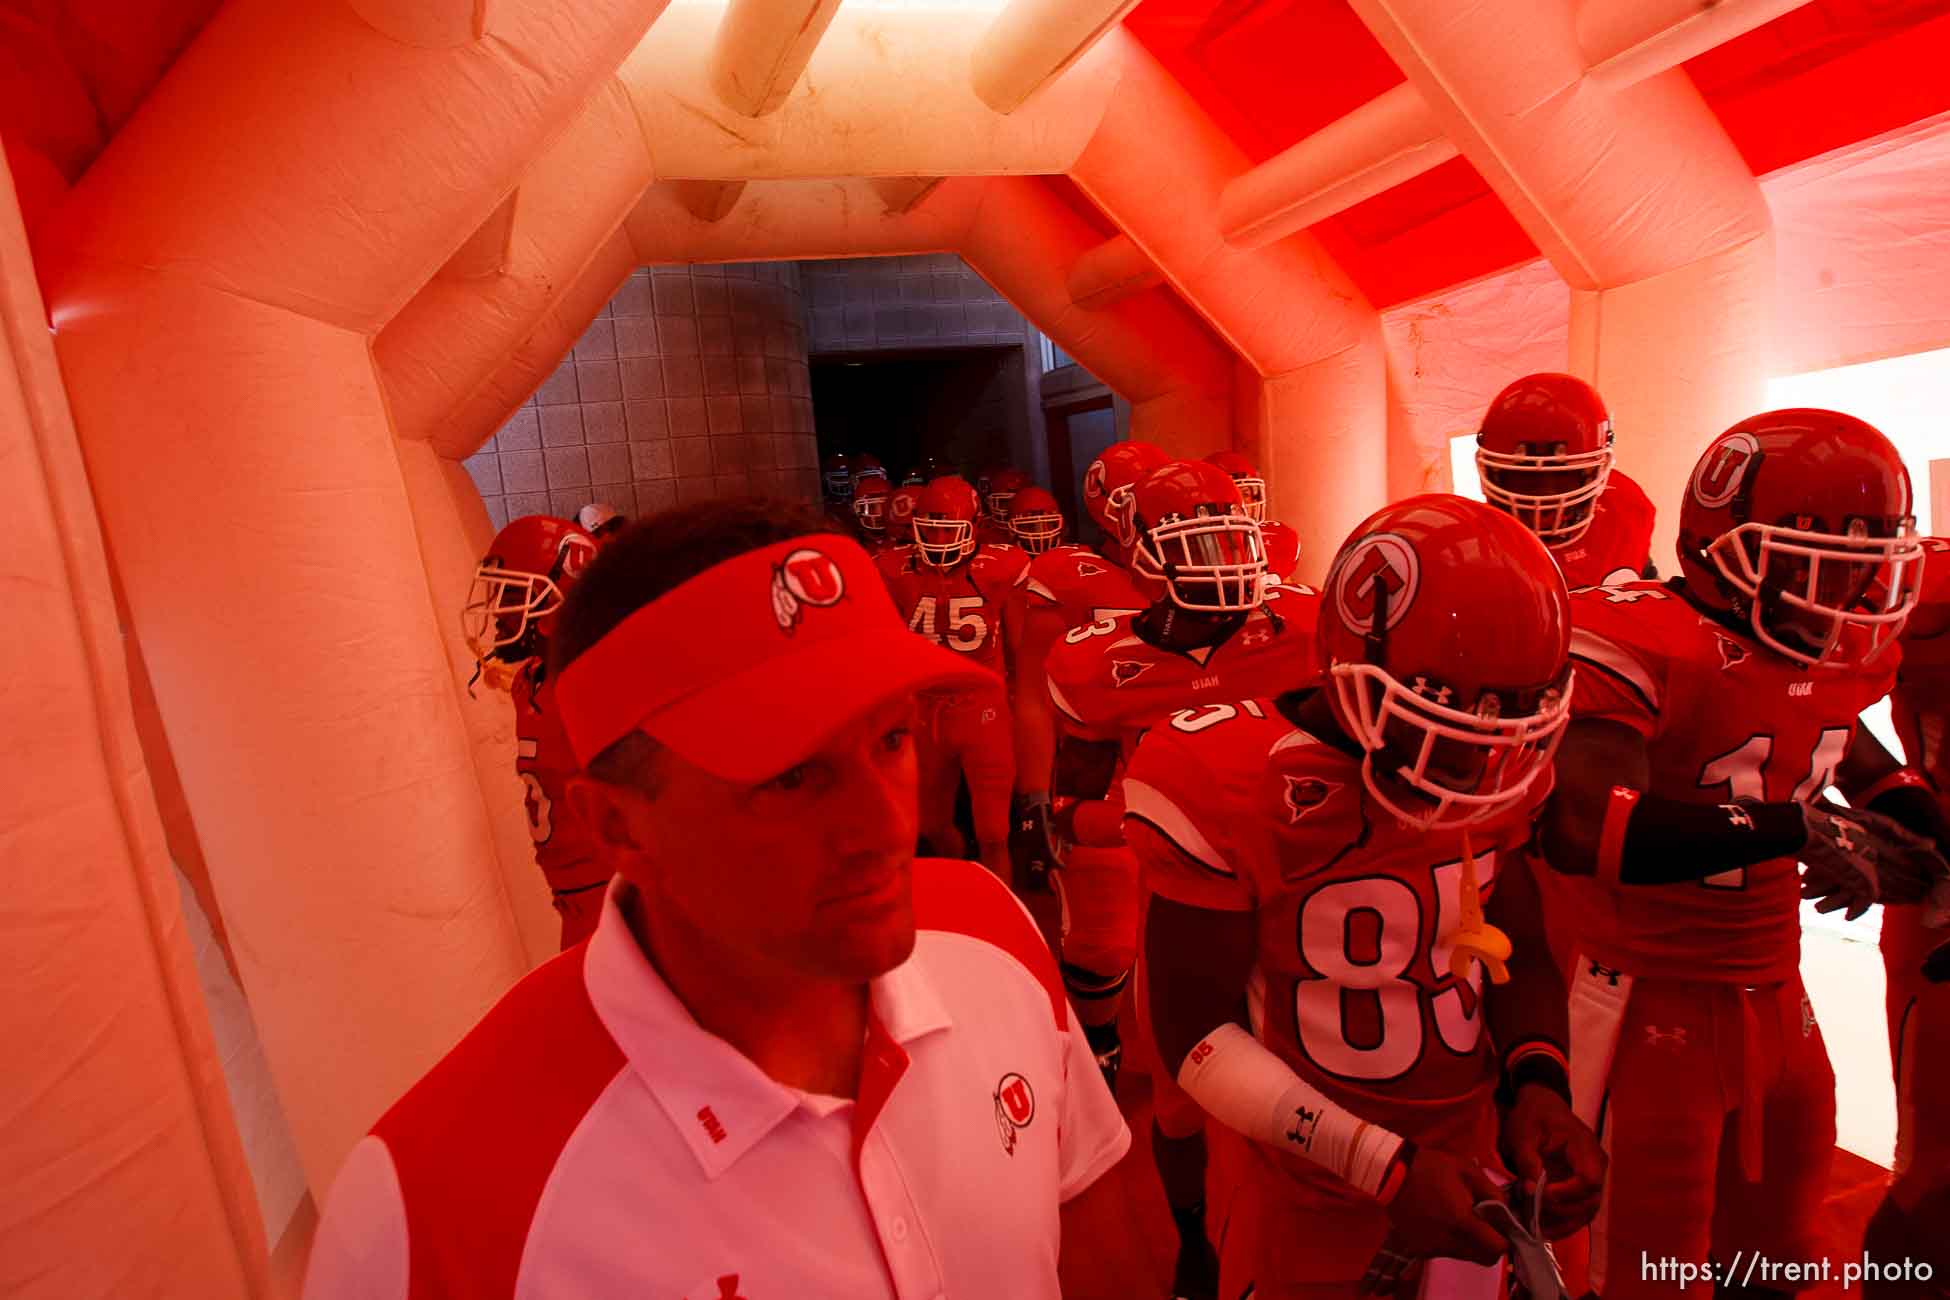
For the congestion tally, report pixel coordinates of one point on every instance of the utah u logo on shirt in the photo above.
(1015, 1107)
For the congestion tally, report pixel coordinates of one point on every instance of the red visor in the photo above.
(748, 668)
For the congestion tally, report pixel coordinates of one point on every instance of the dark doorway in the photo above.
(1078, 434)
(957, 404)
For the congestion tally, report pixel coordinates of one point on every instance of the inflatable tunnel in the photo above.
(270, 272)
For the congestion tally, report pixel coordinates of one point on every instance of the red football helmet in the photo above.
(1108, 482)
(944, 521)
(838, 476)
(866, 467)
(1800, 522)
(510, 612)
(1445, 632)
(1544, 453)
(1035, 520)
(1003, 486)
(1252, 487)
(901, 503)
(1193, 535)
(870, 505)
(601, 520)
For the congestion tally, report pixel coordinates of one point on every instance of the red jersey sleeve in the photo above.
(1616, 680)
(1188, 798)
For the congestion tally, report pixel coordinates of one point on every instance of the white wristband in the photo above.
(1248, 1089)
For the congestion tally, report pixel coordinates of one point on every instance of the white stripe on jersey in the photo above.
(1056, 698)
(1617, 660)
(1145, 802)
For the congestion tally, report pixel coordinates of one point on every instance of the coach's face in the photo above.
(811, 870)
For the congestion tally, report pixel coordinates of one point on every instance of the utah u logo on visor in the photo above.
(804, 577)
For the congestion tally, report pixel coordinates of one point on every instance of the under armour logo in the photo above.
(1256, 636)
(1630, 595)
(1655, 1037)
(1301, 1131)
(1844, 835)
(1429, 690)
(1737, 817)
(1605, 973)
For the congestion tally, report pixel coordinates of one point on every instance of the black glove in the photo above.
(1855, 858)
(1032, 846)
(1910, 864)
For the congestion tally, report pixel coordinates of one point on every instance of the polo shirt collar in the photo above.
(720, 1102)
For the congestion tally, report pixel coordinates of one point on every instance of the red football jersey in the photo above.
(961, 608)
(1282, 549)
(1356, 915)
(1618, 545)
(1920, 704)
(1084, 585)
(565, 848)
(1724, 718)
(1108, 683)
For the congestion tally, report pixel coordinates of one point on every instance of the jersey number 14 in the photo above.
(1743, 770)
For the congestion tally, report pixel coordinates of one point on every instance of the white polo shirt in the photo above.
(588, 1139)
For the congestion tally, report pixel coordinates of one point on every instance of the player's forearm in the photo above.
(1633, 838)
(1527, 1015)
(1531, 1006)
(1253, 1092)
(1871, 777)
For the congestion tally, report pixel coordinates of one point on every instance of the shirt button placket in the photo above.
(908, 1257)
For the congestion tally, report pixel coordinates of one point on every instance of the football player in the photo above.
(1711, 713)
(1003, 485)
(1067, 586)
(510, 614)
(836, 475)
(1214, 630)
(900, 514)
(1341, 859)
(1909, 1223)
(1545, 456)
(864, 467)
(870, 497)
(1035, 521)
(1281, 542)
(957, 594)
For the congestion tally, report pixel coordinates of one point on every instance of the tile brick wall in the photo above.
(690, 384)
(933, 300)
